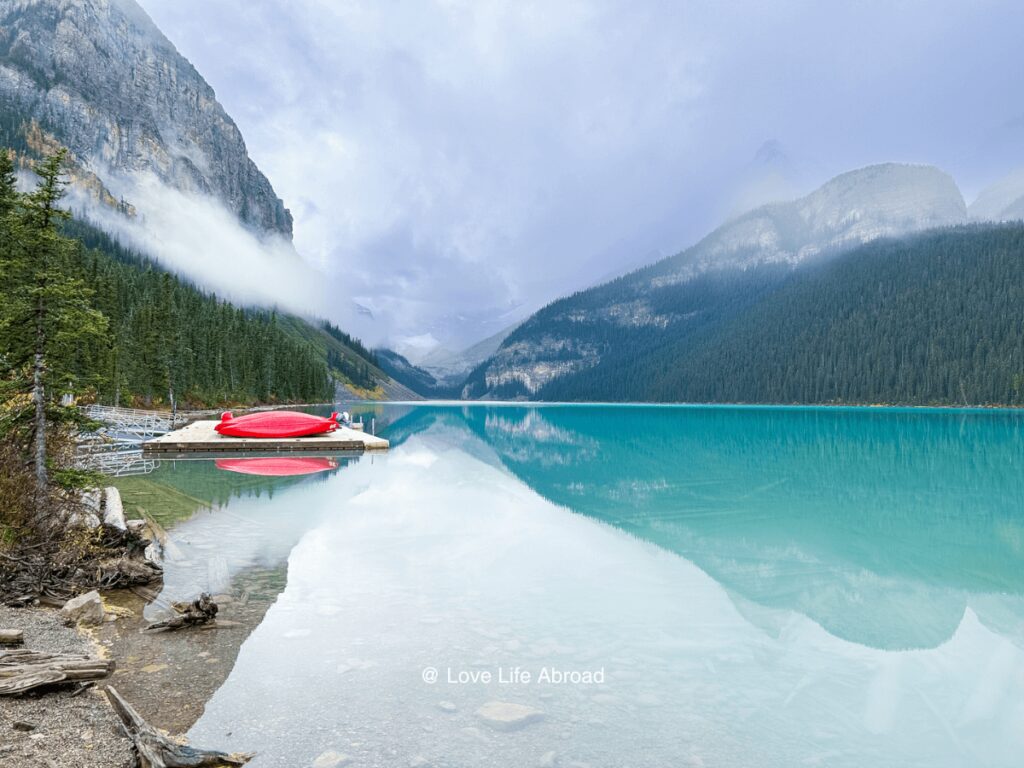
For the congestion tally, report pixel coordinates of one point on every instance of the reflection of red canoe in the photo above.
(277, 466)
(276, 424)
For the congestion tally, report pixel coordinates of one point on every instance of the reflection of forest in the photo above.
(177, 489)
(881, 525)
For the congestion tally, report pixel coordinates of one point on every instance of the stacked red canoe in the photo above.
(270, 424)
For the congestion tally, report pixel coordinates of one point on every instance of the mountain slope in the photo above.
(98, 77)
(418, 380)
(1002, 201)
(356, 371)
(935, 318)
(101, 79)
(680, 295)
(453, 367)
(169, 334)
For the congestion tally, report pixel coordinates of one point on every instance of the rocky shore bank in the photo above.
(58, 727)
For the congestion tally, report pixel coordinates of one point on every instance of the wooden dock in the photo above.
(200, 437)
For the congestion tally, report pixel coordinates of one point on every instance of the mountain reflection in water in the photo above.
(880, 525)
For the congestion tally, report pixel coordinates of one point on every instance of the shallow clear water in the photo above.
(754, 586)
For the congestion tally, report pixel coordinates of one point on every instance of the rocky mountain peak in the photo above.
(853, 208)
(890, 197)
(100, 78)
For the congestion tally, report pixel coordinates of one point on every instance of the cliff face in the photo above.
(574, 334)
(100, 78)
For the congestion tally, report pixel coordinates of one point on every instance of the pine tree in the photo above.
(8, 190)
(47, 314)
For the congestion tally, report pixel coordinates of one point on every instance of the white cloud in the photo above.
(414, 348)
(197, 237)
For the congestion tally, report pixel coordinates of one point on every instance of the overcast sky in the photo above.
(457, 164)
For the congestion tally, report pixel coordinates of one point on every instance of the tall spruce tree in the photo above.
(8, 248)
(47, 315)
(8, 191)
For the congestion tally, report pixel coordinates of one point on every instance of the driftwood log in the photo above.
(199, 611)
(157, 750)
(22, 669)
(11, 637)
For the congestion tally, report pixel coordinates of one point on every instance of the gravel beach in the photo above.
(55, 728)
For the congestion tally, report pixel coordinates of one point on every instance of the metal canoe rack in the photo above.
(131, 425)
(116, 449)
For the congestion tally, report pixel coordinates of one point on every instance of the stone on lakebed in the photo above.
(331, 759)
(506, 716)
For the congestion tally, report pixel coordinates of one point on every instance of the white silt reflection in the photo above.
(434, 558)
(208, 550)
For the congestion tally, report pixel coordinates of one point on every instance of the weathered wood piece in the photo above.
(23, 669)
(11, 637)
(157, 750)
(199, 611)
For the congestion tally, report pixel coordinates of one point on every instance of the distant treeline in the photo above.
(936, 318)
(349, 341)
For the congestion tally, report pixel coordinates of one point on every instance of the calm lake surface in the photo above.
(726, 587)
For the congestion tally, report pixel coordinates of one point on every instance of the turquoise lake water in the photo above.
(724, 587)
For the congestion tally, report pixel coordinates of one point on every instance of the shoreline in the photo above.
(879, 407)
(61, 726)
(426, 402)
(167, 676)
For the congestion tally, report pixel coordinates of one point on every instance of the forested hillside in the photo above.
(352, 365)
(936, 318)
(166, 333)
(166, 338)
(603, 361)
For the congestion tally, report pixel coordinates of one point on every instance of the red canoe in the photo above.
(276, 424)
(273, 466)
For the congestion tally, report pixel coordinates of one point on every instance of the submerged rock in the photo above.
(84, 609)
(507, 716)
(331, 759)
